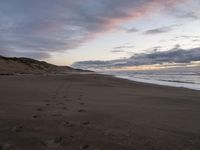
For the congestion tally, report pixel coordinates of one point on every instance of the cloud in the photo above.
(45, 26)
(124, 48)
(175, 55)
(30, 54)
(190, 15)
(118, 51)
(189, 37)
(129, 30)
(196, 40)
(159, 30)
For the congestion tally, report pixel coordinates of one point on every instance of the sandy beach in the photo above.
(95, 112)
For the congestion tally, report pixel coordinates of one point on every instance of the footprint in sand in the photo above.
(39, 109)
(86, 123)
(53, 143)
(17, 128)
(81, 110)
(35, 116)
(57, 115)
(4, 146)
(85, 146)
(68, 124)
(64, 107)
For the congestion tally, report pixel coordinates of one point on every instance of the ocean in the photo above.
(175, 78)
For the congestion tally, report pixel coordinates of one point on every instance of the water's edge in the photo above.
(186, 85)
(165, 83)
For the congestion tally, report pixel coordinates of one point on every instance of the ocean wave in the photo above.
(181, 84)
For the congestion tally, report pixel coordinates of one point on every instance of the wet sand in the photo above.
(96, 112)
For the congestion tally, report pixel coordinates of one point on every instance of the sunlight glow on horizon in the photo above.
(153, 67)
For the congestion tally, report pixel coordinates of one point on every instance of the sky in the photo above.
(101, 33)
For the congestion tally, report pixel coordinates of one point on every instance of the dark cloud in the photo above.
(153, 49)
(44, 26)
(175, 55)
(159, 30)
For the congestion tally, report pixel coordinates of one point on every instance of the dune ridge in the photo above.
(22, 65)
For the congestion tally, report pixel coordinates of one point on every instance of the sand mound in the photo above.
(22, 65)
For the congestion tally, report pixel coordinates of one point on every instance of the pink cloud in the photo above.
(50, 25)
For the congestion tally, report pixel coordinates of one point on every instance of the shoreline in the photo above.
(191, 86)
(94, 111)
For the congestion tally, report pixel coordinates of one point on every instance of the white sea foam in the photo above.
(166, 83)
(189, 80)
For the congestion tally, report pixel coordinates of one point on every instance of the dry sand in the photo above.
(95, 112)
